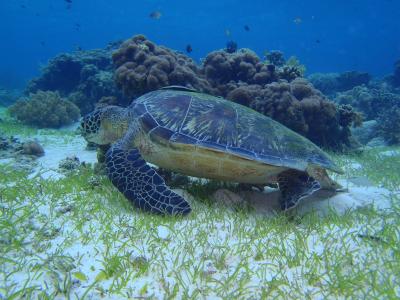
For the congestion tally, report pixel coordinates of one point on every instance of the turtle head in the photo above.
(105, 125)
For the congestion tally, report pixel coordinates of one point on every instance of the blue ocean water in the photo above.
(327, 36)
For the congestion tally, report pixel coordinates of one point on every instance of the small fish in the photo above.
(42, 43)
(22, 6)
(246, 27)
(189, 48)
(318, 41)
(68, 1)
(297, 21)
(227, 32)
(77, 26)
(155, 15)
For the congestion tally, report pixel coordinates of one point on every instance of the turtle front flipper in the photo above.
(140, 183)
(295, 186)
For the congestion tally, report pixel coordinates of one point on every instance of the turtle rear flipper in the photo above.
(296, 186)
(141, 184)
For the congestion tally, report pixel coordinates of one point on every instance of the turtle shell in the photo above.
(188, 117)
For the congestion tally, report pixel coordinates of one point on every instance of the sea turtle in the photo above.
(196, 134)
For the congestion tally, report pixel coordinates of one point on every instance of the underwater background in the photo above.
(327, 70)
(327, 36)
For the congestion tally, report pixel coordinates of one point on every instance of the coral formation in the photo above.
(376, 104)
(64, 72)
(275, 57)
(143, 66)
(32, 148)
(274, 88)
(389, 125)
(22, 155)
(84, 77)
(225, 70)
(369, 101)
(45, 109)
(69, 163)
(302, 108)
(331, 83)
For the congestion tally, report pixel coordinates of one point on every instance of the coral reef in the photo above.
(45, 109)
(299, 106)
(389, 125)
(377, 104)
(369, 101)
(331, 83)
(275, 57)
(274, 87)
(143, 66)
(84, 77)
(65, 71)
(225, 70)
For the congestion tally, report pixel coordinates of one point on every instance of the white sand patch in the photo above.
(163, 232)
(322, 202)
(56, 149)
(356, 197)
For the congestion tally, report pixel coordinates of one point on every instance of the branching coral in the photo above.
(45, 109)
(143, 66)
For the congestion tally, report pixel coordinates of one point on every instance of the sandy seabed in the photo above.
(149, 285)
